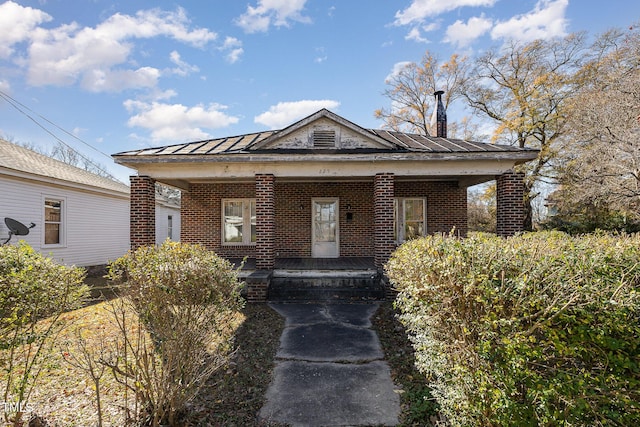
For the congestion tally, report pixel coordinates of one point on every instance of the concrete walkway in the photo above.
(329, 369)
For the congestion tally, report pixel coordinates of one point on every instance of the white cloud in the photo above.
(98, 57)
(98, 80)
(397, 68)
(5, 86)
(546, 20)
(321, 55)
(285, 113)
(176, 122)
(183, 69)
(234, 49)
(421, 9)
(462, 34)
(234, 55)
(416, 35)
(16, 25)
(271, 12)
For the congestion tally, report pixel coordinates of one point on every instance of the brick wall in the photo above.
(446, 204)
(509, 203)
(142, 211)
(201, 216)
(293, 217)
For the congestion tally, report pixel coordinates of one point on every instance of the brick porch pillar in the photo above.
(265, 222)
(142, 211)
(384, 244)
(509, 203)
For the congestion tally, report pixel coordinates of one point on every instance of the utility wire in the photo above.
(17, 105)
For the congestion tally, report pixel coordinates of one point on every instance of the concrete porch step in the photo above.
(319, 285)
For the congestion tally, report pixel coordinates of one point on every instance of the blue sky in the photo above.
(121, 75)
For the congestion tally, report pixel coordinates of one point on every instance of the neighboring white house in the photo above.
(80, 218)
(167, 219)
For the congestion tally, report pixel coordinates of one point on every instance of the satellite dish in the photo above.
(16, 228)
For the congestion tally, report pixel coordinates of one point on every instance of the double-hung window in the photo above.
(239, 221)
(409, 216)
(54, 221)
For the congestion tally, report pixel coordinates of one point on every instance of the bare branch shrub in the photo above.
(177, 303)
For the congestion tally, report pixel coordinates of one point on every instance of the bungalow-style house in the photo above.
(78, 218)
(320, 190)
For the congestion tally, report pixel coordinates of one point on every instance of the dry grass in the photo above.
(64, 394)
(234, 395)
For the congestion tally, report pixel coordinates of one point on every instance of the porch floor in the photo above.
(343, 263)
(353, 279)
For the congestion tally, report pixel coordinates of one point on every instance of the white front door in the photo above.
(325, 236)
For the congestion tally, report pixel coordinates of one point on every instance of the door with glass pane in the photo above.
(325, 235)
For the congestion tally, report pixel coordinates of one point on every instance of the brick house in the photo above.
(321, 188)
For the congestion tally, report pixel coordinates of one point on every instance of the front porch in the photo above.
(313, 279)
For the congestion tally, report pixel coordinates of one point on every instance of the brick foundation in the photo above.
(142, 211)
(509, 203)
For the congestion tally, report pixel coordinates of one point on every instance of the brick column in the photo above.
(383, 218)
(142, 211)
(509, 203)
(265, 222)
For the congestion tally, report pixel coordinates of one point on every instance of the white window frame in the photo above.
(399, 204)
(62, 231)
(246, 222)
(170, 227)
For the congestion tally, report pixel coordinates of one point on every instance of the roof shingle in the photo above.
(21, 159)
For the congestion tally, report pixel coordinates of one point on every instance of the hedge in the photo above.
(537, 329)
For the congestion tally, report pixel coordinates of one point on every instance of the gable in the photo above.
(322, 134)
(323, 130)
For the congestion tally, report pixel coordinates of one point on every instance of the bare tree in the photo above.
(526, 89)
(602, 162)
(411, 89)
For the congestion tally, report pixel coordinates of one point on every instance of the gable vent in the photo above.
(324, 138)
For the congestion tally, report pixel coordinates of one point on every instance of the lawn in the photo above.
(65, 394)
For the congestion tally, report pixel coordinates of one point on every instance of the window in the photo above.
(409, 216)
(239, 221)
(170, 227)
(53, 221)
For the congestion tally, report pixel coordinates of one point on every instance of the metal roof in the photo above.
(17, 158)
(408, 142)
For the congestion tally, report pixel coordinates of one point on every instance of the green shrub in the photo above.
(538, 329)
(34, 292)
(184, 298)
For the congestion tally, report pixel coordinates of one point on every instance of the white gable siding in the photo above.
(162, 222)
(303, 138)
(97, 225)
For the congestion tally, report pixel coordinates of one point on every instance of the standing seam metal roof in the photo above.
(402, 141)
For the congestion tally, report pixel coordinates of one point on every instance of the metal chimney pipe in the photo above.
(441, 116)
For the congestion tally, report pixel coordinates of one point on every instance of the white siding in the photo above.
(97, 225)
(162, 222)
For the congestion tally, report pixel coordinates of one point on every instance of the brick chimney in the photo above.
(441, 116)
